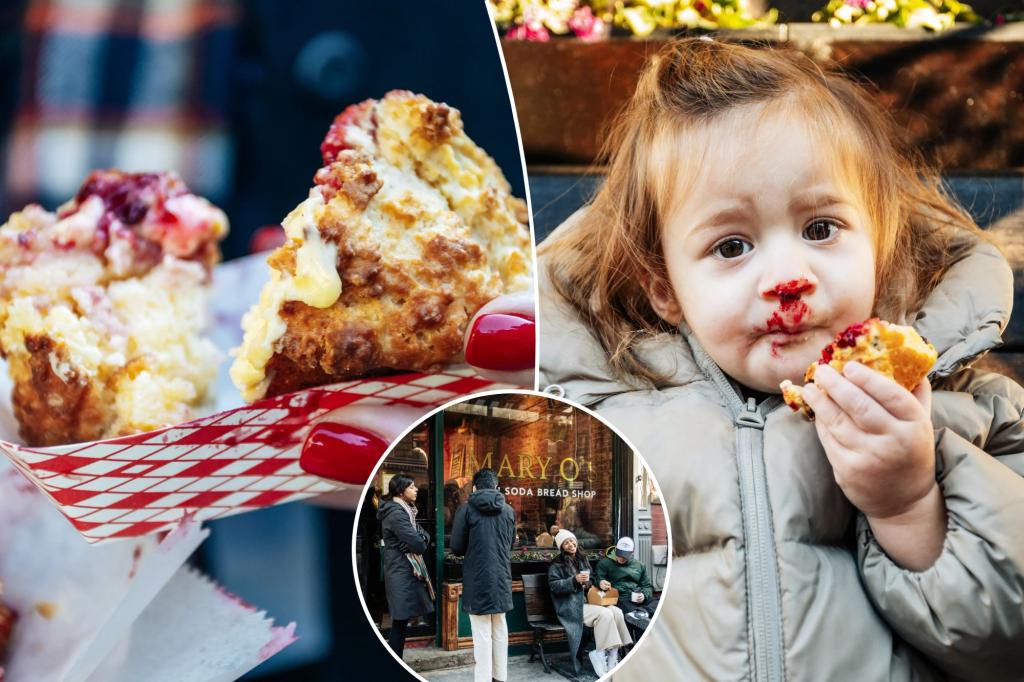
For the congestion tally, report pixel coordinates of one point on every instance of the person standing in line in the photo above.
(484, 532)
(406, 583)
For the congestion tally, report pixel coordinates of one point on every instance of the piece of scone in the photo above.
(896, 351)
(102, 306)
(408, 230)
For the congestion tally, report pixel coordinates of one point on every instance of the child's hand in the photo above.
(879, 438)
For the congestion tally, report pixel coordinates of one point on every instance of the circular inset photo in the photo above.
(509, 535)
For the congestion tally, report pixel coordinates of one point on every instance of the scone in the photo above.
(408, 230)
(102, 306)
(896, 351)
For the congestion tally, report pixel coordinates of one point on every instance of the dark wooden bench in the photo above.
(540, 614)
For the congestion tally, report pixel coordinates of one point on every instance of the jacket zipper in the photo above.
(764, 600)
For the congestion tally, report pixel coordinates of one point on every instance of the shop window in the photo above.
(554, 465)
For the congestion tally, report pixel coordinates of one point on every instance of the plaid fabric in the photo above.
(134, 84)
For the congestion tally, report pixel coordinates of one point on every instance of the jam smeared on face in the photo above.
(792, 310)
(845, 339)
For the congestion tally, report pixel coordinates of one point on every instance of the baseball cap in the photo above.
(624, 547)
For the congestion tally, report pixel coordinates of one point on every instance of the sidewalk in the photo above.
(519, 670)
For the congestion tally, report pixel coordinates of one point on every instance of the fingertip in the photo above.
(923, 392)
(825, 374)
(502, 343)
(341, 452)
(853, 369)
(347, 444)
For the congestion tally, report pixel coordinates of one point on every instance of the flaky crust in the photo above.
(53, 409)
(422, 231)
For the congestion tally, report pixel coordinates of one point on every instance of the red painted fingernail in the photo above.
(340, 452)
(501, 342)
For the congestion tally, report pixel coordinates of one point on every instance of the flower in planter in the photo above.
(642, 17)
(529, 30)
(534, 20)
(591, 20)
(587, 26)
(936, 15)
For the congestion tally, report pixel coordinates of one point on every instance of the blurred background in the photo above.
(236, 96)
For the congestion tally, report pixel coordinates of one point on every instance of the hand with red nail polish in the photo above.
(500, 341)
(345, 445)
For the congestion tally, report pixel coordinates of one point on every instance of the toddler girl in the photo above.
(755, 206)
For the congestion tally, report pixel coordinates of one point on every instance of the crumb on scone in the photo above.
(102, 306)
(894, 350)
(408, 230)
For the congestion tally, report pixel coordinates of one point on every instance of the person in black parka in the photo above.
(484, 531)
(408, 596)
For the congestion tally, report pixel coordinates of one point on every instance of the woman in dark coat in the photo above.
(569, 578)
(408, 596)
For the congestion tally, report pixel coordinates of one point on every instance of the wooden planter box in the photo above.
(958, 93)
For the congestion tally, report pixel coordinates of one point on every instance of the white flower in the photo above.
(926, 17)
(688, 17)
(845, 13)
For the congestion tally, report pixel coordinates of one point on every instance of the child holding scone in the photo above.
(755, 207)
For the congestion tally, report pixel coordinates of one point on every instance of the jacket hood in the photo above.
(488, 501)
(963, 317)
(387, 507)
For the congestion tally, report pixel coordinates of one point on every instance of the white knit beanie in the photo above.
(563, 535)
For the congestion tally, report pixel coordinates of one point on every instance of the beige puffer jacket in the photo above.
(775, 575)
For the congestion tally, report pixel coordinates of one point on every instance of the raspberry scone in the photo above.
(408, 230)
(896, 351)
(102, 306)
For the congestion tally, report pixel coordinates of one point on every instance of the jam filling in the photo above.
(128, 198)
(143, 216)
(362, 115)
(845, 339)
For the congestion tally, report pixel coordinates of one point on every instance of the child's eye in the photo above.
(731, 248)
(820, 230)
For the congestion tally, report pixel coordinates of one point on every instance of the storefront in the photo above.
(556, 465)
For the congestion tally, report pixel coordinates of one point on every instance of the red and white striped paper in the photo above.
(234, 461)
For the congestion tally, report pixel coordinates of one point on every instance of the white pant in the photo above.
(490, 647)
(609, 626)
